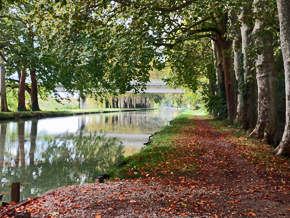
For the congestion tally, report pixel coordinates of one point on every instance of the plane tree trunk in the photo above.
(21, 94)
(34, 97)
(284, 20)
(266, 127)
(4, 106)
(224, 50)
(250, 83)
(237, 49)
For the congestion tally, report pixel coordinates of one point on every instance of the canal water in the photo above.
(44, 154)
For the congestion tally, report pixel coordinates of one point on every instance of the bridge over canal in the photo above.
(154, 86)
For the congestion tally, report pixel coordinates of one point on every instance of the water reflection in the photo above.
(48, 153)
(64, 161)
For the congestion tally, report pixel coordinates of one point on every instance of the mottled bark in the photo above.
(237, 49)
(128, 102)
(250, 83)
(123, 102)
(266, 127)
(34, 97)
(134, 102)
(83, 102)
(21, 93)
(284, 20)
(4, 106)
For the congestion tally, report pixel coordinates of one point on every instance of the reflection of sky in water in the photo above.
(52, 125)
(58, 158)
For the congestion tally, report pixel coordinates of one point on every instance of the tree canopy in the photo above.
(97, 47)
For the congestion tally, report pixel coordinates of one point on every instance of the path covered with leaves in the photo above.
(201, 174)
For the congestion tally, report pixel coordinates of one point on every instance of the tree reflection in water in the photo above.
(42, 156)
(68, 160)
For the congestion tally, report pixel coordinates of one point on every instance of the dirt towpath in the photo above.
(224, 184)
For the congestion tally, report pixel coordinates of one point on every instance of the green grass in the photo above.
(32, 114)
(161, 151)
(42, 114)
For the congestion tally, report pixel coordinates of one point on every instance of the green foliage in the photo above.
(87, 46)
(189, 67)
(216, 104)
(93, 51)
(52, 104)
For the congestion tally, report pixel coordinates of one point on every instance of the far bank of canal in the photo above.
(43, 154)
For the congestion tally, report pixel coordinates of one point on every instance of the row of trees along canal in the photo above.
(103, 45)
(129, 102)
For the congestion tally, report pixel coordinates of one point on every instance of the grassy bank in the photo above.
(166, 154)
(162, 154)
(33, 114)
(44, 114)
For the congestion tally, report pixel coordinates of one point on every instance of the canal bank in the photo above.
(201, 171)
(45, 114)
(43, 154)
(159, 148)
(159, 137)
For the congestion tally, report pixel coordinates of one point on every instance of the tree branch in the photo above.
(27, 88)
(172, 9)
(171, 45)
(161, 9)
(195, 24)
(2, 56)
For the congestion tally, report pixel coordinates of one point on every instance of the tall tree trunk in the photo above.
(237, 48)
(21, 94)
(229, 79)
(266, 126)
(34, 98)
(284, 20)
(113, 103)
(219, 60)
(215, 58)
(4, 106)
(250, 83)
(211, 88)
(225, 46)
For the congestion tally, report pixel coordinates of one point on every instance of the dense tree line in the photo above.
(103, 45)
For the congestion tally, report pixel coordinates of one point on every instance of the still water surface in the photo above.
(43, 154)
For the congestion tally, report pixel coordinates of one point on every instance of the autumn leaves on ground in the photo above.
(192, 168)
